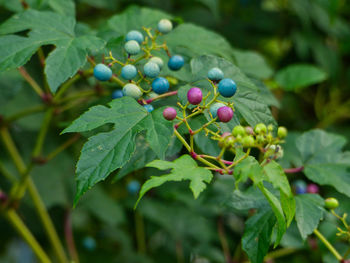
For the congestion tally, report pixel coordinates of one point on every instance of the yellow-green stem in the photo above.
(21, 228)
(328, 245)
(30, 81)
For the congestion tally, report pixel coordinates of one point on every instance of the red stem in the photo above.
(68, 233)
(171, 93)
(294, 170)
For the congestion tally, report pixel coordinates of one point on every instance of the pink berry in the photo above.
(194, 96)
(169, 113)
(225, 114)
(312, 189)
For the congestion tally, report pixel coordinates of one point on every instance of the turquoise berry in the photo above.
(134, 35)
(132, 90)
(151, 69)
(133, 187)
(158, 61)
(160, 85)
(165, 26)
(176, 62)
(214, 109)
(132, 47)
(215, 74)
(129, 72)
(227, 88)
(102, 72)
(148, 107)
(117, 94)
(89, 243)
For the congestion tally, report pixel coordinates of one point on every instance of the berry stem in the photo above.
(62, 147)
(294, 170)
(328, 245)
(240, 159)
(168, 94)
(31, 81)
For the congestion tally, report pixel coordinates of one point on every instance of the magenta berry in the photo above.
(194, 96)
(169, 113)
(312, 189)
(225, 114)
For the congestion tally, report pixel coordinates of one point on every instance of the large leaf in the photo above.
(46, 28)
(247, 101)
(309, 212)
(183, 168)
(323, 159)
(257, 235)
(299, 76)
(105, 152)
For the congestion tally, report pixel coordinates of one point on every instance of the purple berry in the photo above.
(225, 114)
(312, 189)
(194, 96)
(169, 113)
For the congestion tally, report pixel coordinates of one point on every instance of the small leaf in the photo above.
(309, 212)
(257, 235)
(298, 76)
(183, 168)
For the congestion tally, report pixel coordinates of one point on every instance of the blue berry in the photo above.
(129, 72)
(89, 243)
(151, 69)
(132, 90)
(176, 62)
(158, 61)
(102, 72)
(134, 35)
(227, 88)
(165, 26)
(117, 94)
(148, 107)
(214, 109)
(132, 47)
(215, 74)
(133, 186)
(300, 187)
(160, 85)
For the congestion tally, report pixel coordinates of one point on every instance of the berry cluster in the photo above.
(141, 65)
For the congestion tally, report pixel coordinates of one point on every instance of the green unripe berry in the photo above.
(132, 47)
(248, 141)
(132, 90)
(331, 203)
(260, 128)
(282, 132)
(238, 130)
(260, 138)
(158, 61)
(270, 127)
(249, 130)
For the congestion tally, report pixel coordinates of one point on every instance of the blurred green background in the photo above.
(170, 226)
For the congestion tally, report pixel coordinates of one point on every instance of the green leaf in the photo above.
(105, 152)
(63, 7)
(247, 101)
(278, 211)
(183, 168)
(309, 212)
(257, 235)
(276, 176)
(248, 168)
(298, 76)
(322, 156)
(252, 64)
(46, 28)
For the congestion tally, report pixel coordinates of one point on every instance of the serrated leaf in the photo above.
(248, 168)
(63, 7)
(183, 168)
(309, 212)
(278, 211)
(257, 235)
(322, 156)
(105, 152)
(252, 64)
(46, 28)
(298, 76)
(276, 176)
